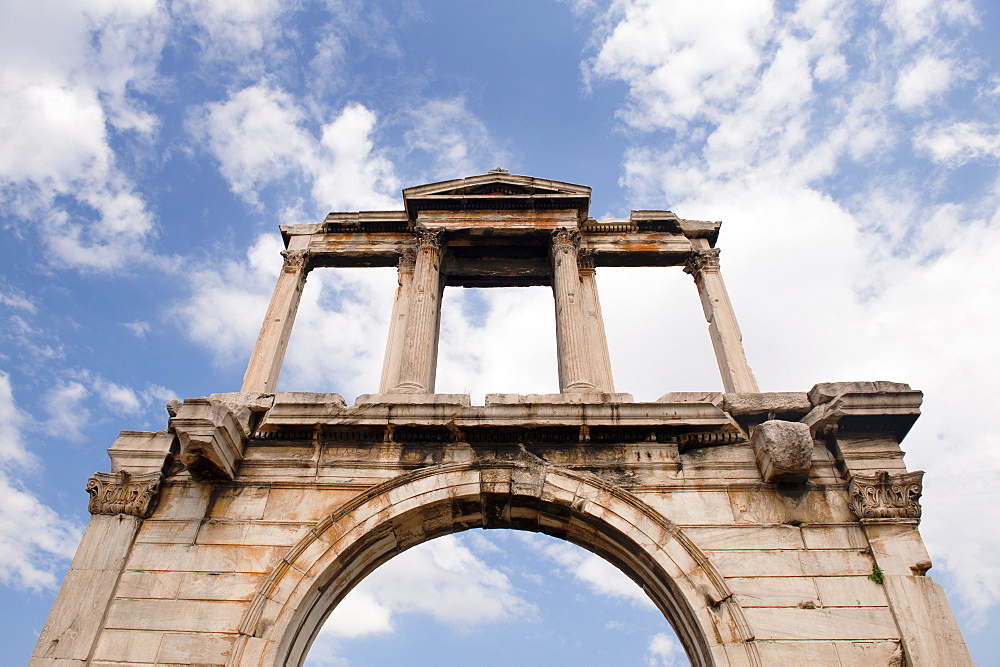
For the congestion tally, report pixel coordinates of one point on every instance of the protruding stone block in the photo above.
(863, 408)
(212, 433)
(783, 450)
(824, 392)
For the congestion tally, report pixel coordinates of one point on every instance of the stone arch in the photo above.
(339, 551)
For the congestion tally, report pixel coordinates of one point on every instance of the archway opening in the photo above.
(507, 597)
(364, 533)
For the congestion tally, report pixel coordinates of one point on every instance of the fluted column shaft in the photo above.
(269, 351)
(418, 356)
(397, 324)
(726, 337)
(599, 357)
(575, 370)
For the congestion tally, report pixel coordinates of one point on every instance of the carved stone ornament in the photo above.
(886, 496)
(568, 239)
(295, 260)
(428, 239)
(407, 260)
(585, 259)
(124, 493)
(702, 260)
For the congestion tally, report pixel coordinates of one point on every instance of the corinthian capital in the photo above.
(703, 260)
(296, 261)
(124, 493)
(429, 239)
(886, 496)
(565, 239)
(407, 260)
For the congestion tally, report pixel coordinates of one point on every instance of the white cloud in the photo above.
(959, 143)
(441, 578)
(65, 80)
(922, 80)
(34, 539)
(599, 575)
(917, 20)
(259, 136)
(11, 420)
(664, 651)
(457, 140)
(677, 64)
(117, 398)
(233, 29)
(138, 328)
(15, 298)
(67, 415)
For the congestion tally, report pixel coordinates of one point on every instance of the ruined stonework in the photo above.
(769, 528)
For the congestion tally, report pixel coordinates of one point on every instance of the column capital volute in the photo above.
(296, 261)
(702, 261)
(585, 260)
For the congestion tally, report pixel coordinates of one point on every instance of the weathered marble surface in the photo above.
(241, 570)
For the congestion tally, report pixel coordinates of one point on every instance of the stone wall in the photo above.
(768, 528)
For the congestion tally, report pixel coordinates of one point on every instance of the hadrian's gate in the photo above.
(769, 528)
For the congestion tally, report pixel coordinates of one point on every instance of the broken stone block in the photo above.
(783, 450)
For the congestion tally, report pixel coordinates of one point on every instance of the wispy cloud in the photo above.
(441, 578)
(34, 540)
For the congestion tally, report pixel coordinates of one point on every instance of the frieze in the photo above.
(124, 493)
(886, 496)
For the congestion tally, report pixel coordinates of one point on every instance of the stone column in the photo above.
(572, 327)
(265, 362)
(397, 325)
(726, 337)
(418, 357)
(600, 359)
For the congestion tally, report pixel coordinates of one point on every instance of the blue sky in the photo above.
(148, 151)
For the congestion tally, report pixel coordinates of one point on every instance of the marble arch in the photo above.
(362, 534)
(769, 527)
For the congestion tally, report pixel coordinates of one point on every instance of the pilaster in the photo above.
(119, 501)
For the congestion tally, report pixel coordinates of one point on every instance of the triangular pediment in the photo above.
(495, 183)
(496, 187)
